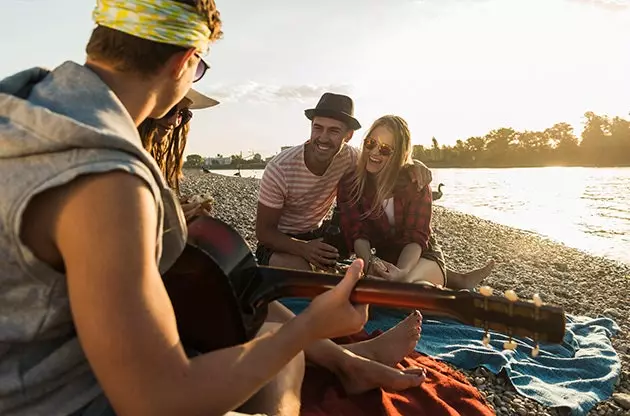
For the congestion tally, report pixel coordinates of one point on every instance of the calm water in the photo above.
(586, 208)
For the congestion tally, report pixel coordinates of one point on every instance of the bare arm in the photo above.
(124, 317)
(362, 250)
(267, 233)
(409, 257)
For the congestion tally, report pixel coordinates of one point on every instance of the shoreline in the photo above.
(526, 262)
(589, 236)
(436, 165)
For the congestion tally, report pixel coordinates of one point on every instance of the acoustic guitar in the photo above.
(220, 295)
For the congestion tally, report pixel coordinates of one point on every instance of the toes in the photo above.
(411, 377)
(415, 317)
(419, 371)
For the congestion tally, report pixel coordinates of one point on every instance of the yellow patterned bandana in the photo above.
(162, 21)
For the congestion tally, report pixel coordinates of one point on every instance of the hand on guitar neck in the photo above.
(331, 314)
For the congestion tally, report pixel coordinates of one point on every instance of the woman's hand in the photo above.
(193, 209)
(388, 271)
(197, 205)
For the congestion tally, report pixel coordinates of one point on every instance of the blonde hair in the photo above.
(385, 180)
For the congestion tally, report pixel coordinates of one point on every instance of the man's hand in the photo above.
(389, 271)
(319, 254)
(331, 315)
(421, 174)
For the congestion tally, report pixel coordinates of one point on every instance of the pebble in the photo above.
(527, 263)
(521, 411)
(622, 399)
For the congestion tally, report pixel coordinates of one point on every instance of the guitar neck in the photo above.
(280, 283)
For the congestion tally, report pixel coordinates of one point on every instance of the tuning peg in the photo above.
(486, 339)
(511, 295)
(509, 345)
(485, 290)
(535, 351)
(537, 300)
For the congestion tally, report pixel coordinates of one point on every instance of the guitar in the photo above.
(220, 295)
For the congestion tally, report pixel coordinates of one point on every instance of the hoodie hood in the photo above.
(70, 109)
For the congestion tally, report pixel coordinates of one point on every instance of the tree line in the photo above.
(605, 141)
(238, 162)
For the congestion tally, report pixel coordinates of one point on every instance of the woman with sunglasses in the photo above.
(165, 139)
(387, 220)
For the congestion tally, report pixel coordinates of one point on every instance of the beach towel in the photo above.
(576, 374)
(445, 392)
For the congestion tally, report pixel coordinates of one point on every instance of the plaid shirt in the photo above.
(412, 216)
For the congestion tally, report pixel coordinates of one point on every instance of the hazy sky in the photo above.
(452, 68)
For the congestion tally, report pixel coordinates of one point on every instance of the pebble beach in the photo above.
(525, 262)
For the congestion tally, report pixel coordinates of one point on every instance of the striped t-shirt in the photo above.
(305, 198)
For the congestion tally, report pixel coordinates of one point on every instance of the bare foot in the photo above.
(392, 346)
(469, 280)
(360, 374)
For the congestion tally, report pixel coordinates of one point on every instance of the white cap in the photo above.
(200, 100)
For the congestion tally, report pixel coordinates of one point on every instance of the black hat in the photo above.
(337, 106)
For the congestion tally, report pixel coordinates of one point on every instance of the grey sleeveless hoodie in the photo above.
(55, 126)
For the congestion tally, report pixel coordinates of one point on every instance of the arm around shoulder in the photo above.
(420, 173)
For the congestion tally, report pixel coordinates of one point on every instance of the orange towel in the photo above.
(445, 392)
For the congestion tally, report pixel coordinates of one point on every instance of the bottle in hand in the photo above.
(333, 235)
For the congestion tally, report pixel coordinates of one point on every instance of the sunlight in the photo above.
(496, 64)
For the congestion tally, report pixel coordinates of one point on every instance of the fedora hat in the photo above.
(337, 106)
(200, 100)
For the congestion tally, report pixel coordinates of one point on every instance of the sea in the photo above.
(585, 208)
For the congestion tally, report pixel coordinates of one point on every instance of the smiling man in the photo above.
(299, 187)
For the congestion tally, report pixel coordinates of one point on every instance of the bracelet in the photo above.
(370, 260)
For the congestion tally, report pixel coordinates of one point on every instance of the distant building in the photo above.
(218, 161)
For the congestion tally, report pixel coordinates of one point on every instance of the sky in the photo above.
(452, 68)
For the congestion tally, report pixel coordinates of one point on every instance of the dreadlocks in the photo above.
(168, 152)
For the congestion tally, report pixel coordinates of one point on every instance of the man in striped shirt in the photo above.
(299, 187)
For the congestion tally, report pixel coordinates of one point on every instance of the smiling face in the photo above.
(386, 151)
(379, 146)
(327, 138)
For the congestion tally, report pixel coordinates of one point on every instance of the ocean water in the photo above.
(585, 208)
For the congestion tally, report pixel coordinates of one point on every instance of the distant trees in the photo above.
(254, 161)
(605, 142)
(194, 161)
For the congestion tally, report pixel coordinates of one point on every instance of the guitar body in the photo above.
(209, 286)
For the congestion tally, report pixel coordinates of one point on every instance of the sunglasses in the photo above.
(202, 67)
(384, 149)
(184, 113)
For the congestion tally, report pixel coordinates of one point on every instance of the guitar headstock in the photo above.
(512, 316)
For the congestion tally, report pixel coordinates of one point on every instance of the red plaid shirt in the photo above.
(412, 216)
